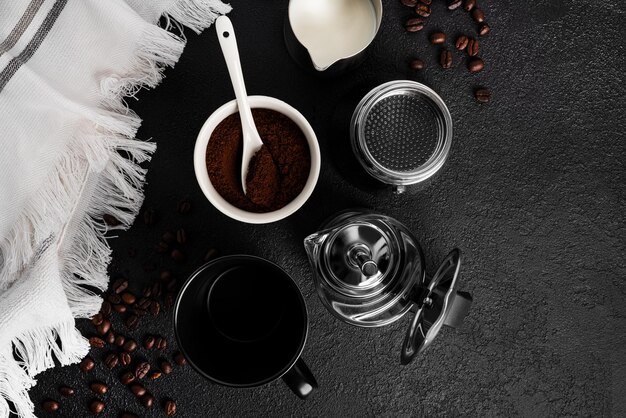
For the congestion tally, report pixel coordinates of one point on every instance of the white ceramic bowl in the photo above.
(202, 175)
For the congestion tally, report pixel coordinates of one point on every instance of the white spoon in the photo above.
(251, 139)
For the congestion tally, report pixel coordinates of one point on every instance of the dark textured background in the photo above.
(533, 193)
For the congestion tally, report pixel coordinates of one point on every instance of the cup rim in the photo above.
(202, 175)
(252, 258)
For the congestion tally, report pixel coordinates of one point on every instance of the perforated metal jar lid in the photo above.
(401, 132)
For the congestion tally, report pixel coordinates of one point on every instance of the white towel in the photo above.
(68, 156)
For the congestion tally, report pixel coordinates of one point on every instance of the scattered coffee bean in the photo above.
(87, 364)
(104, 327)
(168, 301)
(177, 255)
(445, 59)
(165, 275)
(130, 346)
(165, 366)
(155, 308)
(461, 42)
(119, 308)
(473, 47)
(150, 217)
(161, 247)
(109, 338)
(478, 15)
(438, 38)
(127, 378)
(98, 388)
(148, 343)
(469, 5)
(482, 95)
(127, 414)
(144, 303)
(110, 220)
(422, 10)
(179, 358)
(138, 389)
(147, 400)
(119, 340)
(168, 237)
(181, 236)
(97, 319)
(170, 408)
(156, 289)
(428, 2)
(484, 29)
(142, 370)
(132, 322)
(147, 291)
(128, 298)
(183, 207)
(96, 407)
(120, 285)
(111, 360)
(160, 343)
(114, 298)
(125, 358)
(409, 3)
(415, 24)
(417, 64)
(454, 4)
(96, 342)
(475, 65)
(66, 391)
(155, 375)
(105, 309)
(50, 406)
(171, 285)
(212, 252)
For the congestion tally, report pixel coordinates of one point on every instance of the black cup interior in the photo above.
(241, 321)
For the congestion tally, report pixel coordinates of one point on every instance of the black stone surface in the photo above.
(533, 193)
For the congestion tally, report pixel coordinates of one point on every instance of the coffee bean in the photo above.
(171, 285)
(417, 64)
(469, 5)
(148, 343)
(147, 291)
(114, 298)
(445, 59)
(150, 217)
(484, 29)
(212, 252)
(179, 358)
(119, 340)
(111, 360)
(475, 65)
(422, 10)
(428, 2)
(161, 247)
(110, 220)
(165, 275)
(482, 95)
(415, 24)
(128, 298)
(155, 375)
(120, 285)
(142, 370)
(169, 300)
(130, 345)
(183, 207)
(181, 236)
(473, 47)
(119, 308)
(168, 237)
(138, 389)
(409, 3)
(132, 322)
(177, 255)
(461, 42)
(478, 15)
(143, 303)
(49, 406)
(96, 342)
(125, 358)
(87, 364)
(155, 308)
(454, 4)
(104, 327)
(127, 378)
(66, 391)
(98, 388)
(127, 414)
(165, 366)
(105, 309)
(437, 38)
(160, 343)
(96, 407)
(109, 338)
(97, 319)
(147, 400)
(170, 408)
(156, 289)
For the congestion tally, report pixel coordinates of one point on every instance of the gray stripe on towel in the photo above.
(21, 26)
(15, 64)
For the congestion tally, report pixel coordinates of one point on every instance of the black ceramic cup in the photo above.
(241, 321)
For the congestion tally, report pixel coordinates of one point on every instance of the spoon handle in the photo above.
(228, 43)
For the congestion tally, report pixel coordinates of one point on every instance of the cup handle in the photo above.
(300, 379)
